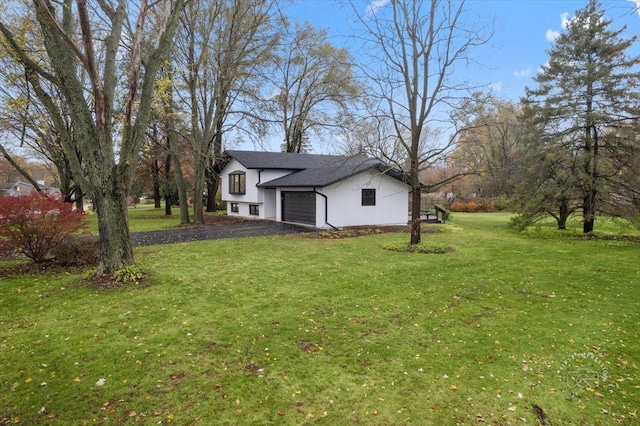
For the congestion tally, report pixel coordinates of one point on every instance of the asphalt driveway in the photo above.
(249, 228)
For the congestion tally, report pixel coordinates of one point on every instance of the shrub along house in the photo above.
(323, 191)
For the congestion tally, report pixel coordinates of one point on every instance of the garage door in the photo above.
(299, 207)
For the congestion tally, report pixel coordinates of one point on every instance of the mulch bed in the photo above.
(360, 231)
(222, 220)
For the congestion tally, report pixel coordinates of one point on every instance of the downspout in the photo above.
(326, 208)
(259, 180)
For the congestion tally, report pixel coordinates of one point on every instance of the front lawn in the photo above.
(290, 330)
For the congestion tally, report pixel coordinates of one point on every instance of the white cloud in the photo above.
(522, 73)
(496, 86)
(376, 5)
(552, 35)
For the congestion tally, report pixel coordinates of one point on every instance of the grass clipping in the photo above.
(431, 248)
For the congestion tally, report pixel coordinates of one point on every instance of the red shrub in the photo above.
(35, 224)
(472, 206)
(459, 206)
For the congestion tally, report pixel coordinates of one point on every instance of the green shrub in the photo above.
(502, 203)
(129, 274)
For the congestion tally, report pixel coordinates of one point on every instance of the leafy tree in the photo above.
(25, 119)
(36, 224)
(86, 44)
(415, 46)
(627, 185)
(155, 169)
(551, 170)
(491, 144)
(314, 86)
(220, 46)
(39, 127)
(586, 95)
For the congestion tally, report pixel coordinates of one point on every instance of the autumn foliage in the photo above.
(35, 224)
(473, 206)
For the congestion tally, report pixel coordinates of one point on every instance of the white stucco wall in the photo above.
(345, 201)
(269, 203)
(264, 198)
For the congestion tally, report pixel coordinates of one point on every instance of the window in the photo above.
(254, 210)
(368, 197)
(237, 182)
(235, 208)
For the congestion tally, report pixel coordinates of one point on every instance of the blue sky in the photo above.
(524, 31)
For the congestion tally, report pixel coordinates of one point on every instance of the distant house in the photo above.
(323, 191)
(20, 188)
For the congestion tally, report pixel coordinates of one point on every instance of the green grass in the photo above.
(283, 330)
(143, 217)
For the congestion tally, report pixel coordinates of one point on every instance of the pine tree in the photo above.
(586, 96)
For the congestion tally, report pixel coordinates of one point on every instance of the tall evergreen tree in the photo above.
(586, 93)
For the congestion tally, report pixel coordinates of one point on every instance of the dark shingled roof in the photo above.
(309, 169)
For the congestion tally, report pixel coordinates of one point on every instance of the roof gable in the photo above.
(309, 169)
(279, 160)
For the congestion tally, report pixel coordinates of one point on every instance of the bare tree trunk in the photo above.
(213, 181)
(416, 198)
(198, 191)
(416, 195)
(78, 196)
(589, 211)
(563, 213)
(183, 194)
(155, 175)
(167, 180)
(113, 227)
(181, 182)
(589, 199)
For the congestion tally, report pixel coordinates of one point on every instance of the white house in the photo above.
(323, 191)
(19, 188)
